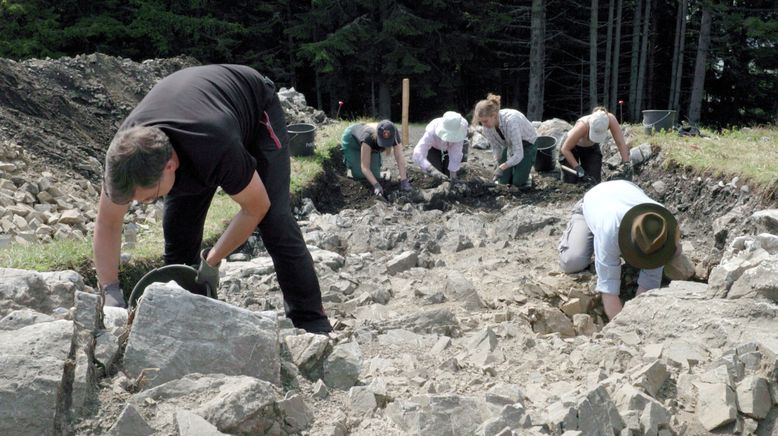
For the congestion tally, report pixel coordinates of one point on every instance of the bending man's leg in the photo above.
(183, 222)
(577, 244)
(281, 235)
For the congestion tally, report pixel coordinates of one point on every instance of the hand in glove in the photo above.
(432, 171)
(625, 170)
(579, 171)
(113, 295)
(207, 274)
(497, 172)
(378, 190)
(405, 185)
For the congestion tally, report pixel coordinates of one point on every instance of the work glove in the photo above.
(432, 171)
(579, 171)
(405, 185)
(378, 190)
(113, 295)
(206, 274)
(497, 172)
(625, 170)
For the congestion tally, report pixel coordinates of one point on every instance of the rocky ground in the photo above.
(450, 317)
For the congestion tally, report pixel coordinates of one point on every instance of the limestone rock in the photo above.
(182, 333)
(341, 368)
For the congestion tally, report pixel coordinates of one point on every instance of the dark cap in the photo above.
(386, 134)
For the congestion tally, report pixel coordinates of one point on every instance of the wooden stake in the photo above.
(406, 99)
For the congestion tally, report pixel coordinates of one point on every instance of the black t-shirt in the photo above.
(364, 133)
(212, 116)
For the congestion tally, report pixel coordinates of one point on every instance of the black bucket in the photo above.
(544, 159)
(184, 275)
(301, 139)
(656, 120)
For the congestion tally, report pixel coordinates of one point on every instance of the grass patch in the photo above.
(749, 153)
(147, 253)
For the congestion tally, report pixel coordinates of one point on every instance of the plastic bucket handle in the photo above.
(659, 120)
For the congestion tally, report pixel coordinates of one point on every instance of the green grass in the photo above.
(749, 153)
(147, 253)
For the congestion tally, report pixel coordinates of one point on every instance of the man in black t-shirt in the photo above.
(199, 129)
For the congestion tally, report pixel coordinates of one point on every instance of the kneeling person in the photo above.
(617, 219)
(439, 152)
(362, 145)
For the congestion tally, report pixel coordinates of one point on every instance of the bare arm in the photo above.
(254, 204)
(573, 136)
(108, 239)
(364, 163)
(618, 137)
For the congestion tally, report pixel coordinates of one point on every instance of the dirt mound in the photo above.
(64, 112)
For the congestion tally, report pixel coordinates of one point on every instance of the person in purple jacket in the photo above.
(439, 152)
(197, 130)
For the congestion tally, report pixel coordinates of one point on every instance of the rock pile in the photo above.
(443, 326)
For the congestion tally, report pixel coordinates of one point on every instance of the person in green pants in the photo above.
(362, 145)
(512, 139)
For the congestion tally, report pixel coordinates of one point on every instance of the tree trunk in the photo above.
(608, 44)
(680, 40)
(615, 59)
(698, 86)
(593, 56)
(536, 61)
(318, 91)
(642, 67)
(384, 101)
(633, 71)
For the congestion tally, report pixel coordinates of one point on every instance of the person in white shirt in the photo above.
(617, 219)
(439, 152)
(512, 139)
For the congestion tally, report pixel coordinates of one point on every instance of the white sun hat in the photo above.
(452, 127)
(598, 127)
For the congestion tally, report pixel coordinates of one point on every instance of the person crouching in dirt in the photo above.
(199, 129)
(617, 219)
(512, 139)
(362, 145)
(439, 152)
(580, 149)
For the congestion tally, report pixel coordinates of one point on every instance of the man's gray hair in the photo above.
(135, 158)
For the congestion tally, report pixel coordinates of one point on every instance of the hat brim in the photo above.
(386, 142)
(598, 138)
(629, 250)
(450, 136)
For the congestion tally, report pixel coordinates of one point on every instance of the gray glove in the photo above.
(113, 295)
(378, 189)
(498, 172)
(625, 170)
(206, 274)
(579, 171)
(405, 185)
(434, 172)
